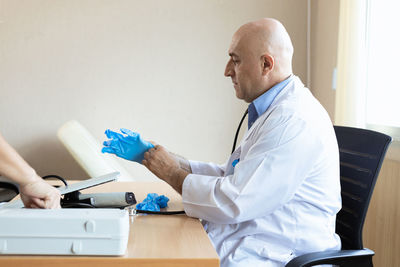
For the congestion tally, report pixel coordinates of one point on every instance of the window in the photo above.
(368, 94)
(383, 67)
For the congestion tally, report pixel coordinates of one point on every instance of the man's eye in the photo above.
(235, 61)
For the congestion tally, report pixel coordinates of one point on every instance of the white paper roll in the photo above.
(86, 150)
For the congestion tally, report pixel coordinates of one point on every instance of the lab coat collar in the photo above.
(262, 103)
(293, 82)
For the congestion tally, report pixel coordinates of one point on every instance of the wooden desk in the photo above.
(154, 240)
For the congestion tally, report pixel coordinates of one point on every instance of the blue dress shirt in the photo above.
(262, 103)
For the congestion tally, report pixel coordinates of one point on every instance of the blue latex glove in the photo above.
(153, 202)
(130, 146)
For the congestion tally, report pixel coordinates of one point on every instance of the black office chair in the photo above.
(361, 156)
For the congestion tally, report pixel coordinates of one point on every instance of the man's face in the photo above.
(244, 68)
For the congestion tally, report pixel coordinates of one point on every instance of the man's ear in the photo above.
(268, 63)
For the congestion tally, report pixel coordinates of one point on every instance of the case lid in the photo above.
(64, 223)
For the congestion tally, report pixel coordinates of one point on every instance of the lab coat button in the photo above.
(90, 226)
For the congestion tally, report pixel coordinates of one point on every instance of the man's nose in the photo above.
(228, 69)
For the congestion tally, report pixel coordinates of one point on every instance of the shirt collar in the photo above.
(262, 103)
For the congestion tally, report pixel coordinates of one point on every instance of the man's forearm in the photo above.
(184, 164)
(167, 166)
(176, 181)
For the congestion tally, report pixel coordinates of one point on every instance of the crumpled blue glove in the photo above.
(153, 202)
(130, 147)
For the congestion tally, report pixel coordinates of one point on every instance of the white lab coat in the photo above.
(281, 199)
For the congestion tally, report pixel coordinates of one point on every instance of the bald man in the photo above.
(278, 194)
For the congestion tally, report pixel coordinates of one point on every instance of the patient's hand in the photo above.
(39, 194)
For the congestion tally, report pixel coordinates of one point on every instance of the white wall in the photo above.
(324, 44)
(152, 66)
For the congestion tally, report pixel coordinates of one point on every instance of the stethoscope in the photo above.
(238, 130)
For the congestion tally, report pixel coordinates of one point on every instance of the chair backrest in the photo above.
(361, 156)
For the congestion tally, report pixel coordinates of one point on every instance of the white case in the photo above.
(64, 231)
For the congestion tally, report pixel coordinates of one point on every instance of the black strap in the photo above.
(9, 186)
(238, 130)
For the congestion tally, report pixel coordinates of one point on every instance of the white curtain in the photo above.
(351, 64)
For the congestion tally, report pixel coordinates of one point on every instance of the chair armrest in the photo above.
(333, 257)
